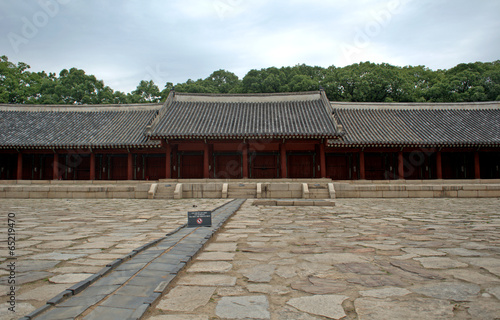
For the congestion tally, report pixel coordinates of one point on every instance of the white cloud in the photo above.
(122, 41)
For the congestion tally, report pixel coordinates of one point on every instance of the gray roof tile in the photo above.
(245, 116)
(75, 127)
(398, 124)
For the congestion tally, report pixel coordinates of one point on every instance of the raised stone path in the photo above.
(363, 259)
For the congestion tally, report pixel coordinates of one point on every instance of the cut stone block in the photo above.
(186, 298)
(379, 309)
(208, 280)
(245, 307)
(329, 306)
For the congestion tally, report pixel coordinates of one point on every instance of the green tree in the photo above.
(146, 92)
(76, 87)
(221, 81)
(14, 81)
(360, 82)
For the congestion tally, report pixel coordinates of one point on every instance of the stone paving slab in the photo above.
(339, 245)
(365, 259)
(136, 288)
(73, 236)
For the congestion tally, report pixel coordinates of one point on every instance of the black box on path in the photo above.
(199, 219)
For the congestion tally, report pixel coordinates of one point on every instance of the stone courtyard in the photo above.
(363, 259)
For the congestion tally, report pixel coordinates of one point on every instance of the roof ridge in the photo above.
(79, 108)
(263, 94)
(481, 105)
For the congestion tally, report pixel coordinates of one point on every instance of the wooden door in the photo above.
(381, 166)
(118, 167)
(458, 165)
(375, 166)
(8, 166)
(339, 166)
(489, 165)
(82, 170)
(191, 166)
(227, 166)
(418, 165)
(264, 166)
(28, 166)
(154, 167)
(46, 167)
(300, 165)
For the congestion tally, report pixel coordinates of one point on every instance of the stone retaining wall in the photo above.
(277, 189)
(74, 190)
(419, 189)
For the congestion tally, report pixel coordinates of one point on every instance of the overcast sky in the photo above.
(124, 41)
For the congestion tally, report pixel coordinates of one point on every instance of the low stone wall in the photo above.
(75, 190)
(249, 189)
(418, 189)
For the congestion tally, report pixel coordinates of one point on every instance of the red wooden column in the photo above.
(168, 165)
(206, 158)
(283, 160)
(130, 168)
(244, 161)
(477, 168)
(175, 162)
(362, 165)
(439, 168)
(401, 172)
(92, 166)
(55, 165)
(19, 166)
(322, 160)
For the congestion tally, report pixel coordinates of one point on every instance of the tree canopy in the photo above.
(360, 82)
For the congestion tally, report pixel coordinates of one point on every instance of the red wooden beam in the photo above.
(401, 173)
(439, 167)
(245, 160)
(19, 166)
(175, 164)
(55, 170)
(477, 169)
(130, 168)
(206, 158)
(322, 160)
(92, 166)
(168, 165)
(283, 160)
(362, 165)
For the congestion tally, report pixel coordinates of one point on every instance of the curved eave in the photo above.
(240, 137)
(102, 146)
(379, 144)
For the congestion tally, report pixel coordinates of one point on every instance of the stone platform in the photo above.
(248, 189)
(418, 189)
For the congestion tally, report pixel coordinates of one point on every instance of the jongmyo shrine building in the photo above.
(255, 136)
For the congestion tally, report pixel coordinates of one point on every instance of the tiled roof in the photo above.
(192, 116)
(75, 127)
(470, 124)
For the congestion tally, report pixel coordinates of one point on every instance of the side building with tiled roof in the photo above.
(415, 141)
(78, 142)
(259, 136)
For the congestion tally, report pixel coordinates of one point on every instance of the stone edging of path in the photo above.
(295, 202)
(82, 285)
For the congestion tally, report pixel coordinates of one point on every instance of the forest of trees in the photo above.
(361, 82)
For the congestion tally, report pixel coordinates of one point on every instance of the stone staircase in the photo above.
(163, 191)
(243, 189)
